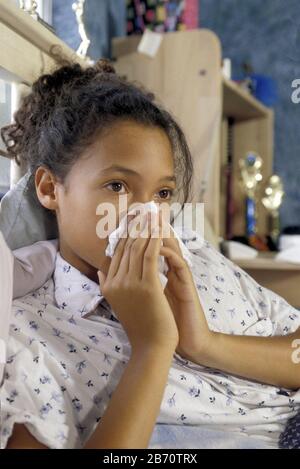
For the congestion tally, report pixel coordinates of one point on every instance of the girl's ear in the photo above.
(46, 188)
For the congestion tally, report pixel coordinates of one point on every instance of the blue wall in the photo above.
(267, 34)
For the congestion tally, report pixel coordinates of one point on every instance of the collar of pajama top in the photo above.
(78, 294)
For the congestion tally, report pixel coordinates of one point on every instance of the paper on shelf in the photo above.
(150, 43)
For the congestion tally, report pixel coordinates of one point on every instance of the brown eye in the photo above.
(165, 193)
(116, 186)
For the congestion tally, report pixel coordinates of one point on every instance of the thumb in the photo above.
(102, 278)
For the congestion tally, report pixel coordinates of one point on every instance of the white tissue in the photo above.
(289, 241)
(162, 264)
(238, 250)
(289, 246)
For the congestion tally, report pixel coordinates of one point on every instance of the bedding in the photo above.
(200, 437)
(290, 437)
(53, 333)
(30, 225)
(23, 221)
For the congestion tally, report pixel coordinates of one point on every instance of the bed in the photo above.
(28, 50)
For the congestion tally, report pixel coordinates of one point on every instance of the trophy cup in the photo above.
(250, 167)
(272, 201)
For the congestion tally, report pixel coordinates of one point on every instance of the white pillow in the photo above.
(23, 220)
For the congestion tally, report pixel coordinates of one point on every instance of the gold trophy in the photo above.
(272, 201)
(250, 167)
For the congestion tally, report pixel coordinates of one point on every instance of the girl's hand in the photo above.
(133, 289)
(181, 292)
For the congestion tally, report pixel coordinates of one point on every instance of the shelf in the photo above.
(239, 104)
(266, 261)
(31, 30)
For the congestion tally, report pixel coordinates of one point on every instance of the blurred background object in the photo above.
(78, 8)
(161, 15)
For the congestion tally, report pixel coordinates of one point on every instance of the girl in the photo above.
(101, 352)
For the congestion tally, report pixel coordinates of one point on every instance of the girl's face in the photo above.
(129, 159)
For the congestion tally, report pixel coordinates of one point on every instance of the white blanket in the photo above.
(65, 358)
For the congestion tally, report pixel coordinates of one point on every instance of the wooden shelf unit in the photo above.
(240, 104)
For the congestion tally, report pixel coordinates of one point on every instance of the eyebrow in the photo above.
(125, 170)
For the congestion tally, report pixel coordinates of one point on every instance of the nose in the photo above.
(135, 202)
(139, 201)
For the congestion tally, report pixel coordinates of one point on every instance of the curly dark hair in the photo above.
(68, 107)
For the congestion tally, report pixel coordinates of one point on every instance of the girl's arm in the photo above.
(129, 419)
(271, 360)
(33, 266)
(23, 439)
